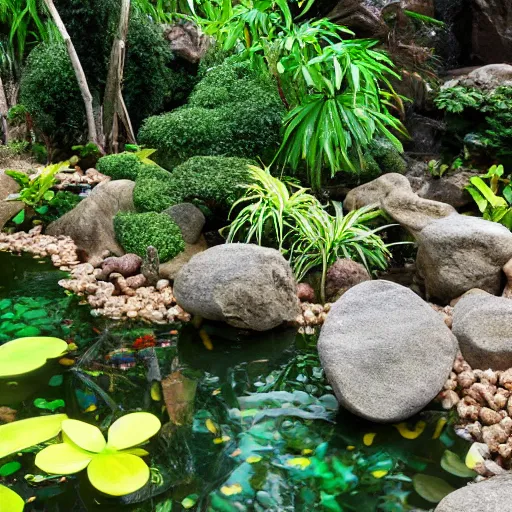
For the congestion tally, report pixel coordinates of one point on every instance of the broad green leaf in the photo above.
(132, 429)
(25, 355)
(118, 474)
(42, 403)
(10, 501)
(480, 200)
(19, 217)
(482, 187)
(431, 488)
(63, 459)
(451, 463)
(86, 436)
(20, 435)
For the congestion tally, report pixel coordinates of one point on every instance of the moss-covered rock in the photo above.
(211, 181)
(231, 112)
(137, 231)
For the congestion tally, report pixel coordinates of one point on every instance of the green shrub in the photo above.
(50, 93)
(152, 77)
(124, 166)
(137, 231)
(212, 181)
(231, 112)
(62, 203)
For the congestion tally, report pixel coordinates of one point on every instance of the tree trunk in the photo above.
(79, 72)
(114, 109)
(4, 109)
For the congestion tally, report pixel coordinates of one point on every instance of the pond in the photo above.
(249, 421)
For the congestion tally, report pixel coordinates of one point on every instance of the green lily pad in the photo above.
(41, 403)
(10, 500)
(10, 468)
(19, 435)
(5, 303)
(34, 314)
(452, 464)
(431, 488)
(25, 355)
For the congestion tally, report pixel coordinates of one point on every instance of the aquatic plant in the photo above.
(492, 206)
(114, 467)
(138, 231)
(20, 435)
(10, 501)
(24, 355)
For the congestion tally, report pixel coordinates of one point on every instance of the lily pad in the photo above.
(28, 331)
(452, 464)
(20, 435)
(25, 355)
(10, 501)
(431, 488)
(10, 468)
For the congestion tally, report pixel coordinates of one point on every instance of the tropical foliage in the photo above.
(487, 196)
(282, 214)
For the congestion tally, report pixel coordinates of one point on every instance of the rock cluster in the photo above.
(61, 249)
(483, 399)
(122, 298)
(312, 316)
(90, 177)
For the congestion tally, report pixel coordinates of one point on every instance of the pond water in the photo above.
(250, 422)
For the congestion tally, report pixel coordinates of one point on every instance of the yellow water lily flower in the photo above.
(230, 490)
(300, 462)
(368, 438)
(411, 434)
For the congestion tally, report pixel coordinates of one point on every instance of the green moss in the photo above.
(50, 93)
(231, 112)
(212, 181)
(123, 166)
(137, 231)
(387, 157)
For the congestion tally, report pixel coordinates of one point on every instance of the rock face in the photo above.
(190, 220)
(458, 253)
(485, 78)
(245, 285)
(482, 324)
(385, 351)
(91, 224)
(169, 269)
(8, 209)
(376, 190)
(491, 495)
(491, 36)
(187, 41)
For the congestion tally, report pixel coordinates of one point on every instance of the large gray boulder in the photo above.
(385, 351)
(458, 253)
(245, 285)
(482, 324)
(491, 495)
(91, 223)
(8, 209)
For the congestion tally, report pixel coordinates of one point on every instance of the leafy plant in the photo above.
(63, 202)
(87, 150)
(304, 230)
(113, 467)
(457, 99)
(486, 196)
(25, 355)
(36, 190)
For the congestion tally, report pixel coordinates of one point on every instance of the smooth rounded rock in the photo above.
(482, 324)
(385, 351)
(189, 218)
(245, 285)
(491, 495)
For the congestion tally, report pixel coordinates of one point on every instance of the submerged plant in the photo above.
(25, 355)
(113, 467)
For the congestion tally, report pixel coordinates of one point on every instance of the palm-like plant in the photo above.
(320, 239)
(273, 207)
(303, 230)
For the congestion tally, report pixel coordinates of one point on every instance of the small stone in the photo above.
(132, 314)
(161, 284)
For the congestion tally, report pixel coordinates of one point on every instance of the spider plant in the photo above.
(287, 216)
(273, 208)
(319, 239)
